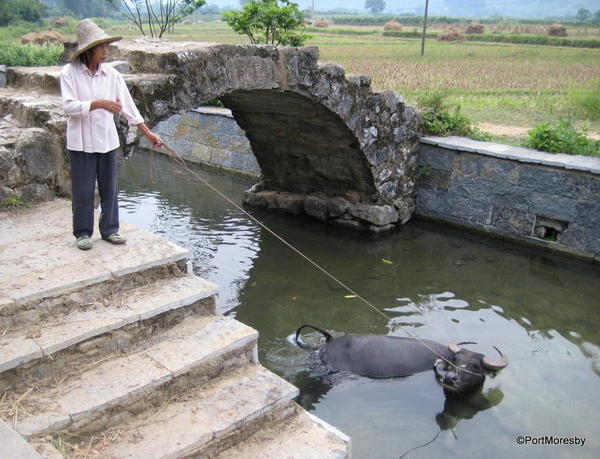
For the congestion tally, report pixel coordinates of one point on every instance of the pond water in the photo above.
(430, 280)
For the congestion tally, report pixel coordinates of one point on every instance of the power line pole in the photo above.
(424, 28)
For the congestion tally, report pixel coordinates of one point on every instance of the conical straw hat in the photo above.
(90, 35)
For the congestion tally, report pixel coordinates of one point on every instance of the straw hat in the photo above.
(90, 35)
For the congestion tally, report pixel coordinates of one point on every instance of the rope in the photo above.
(179, 159)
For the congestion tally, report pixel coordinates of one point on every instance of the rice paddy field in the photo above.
(505, 88)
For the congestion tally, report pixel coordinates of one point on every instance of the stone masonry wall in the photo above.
(547, 199)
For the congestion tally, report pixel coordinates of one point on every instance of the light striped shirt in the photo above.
(94, 131)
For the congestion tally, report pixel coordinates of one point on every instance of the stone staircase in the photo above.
(118, 352)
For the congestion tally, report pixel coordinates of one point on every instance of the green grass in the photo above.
(29, 55)
(497, 83)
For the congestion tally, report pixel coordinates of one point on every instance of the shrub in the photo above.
(393, 25)
(30, 55)
(562, 137)
(27, 10)
(441, 120)
(322, 23)
(588, 101)
(450, 34)
(474, 27)
(557, 30)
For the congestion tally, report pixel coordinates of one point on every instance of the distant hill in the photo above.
(464, 8)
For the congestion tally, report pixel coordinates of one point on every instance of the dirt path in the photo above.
(515, 131)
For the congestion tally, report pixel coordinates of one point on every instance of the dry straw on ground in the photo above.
(322, 23)
(43, 38)
(557, 30)
(393, 25)
(450, 34)
(474, 27)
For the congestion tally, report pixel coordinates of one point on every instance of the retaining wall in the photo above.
(548, 199)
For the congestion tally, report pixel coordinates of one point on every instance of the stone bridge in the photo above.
(327, 144)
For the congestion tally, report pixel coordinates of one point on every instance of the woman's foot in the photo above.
(115, 238)
(84, 243)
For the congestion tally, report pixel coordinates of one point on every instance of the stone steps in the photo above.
(30, 108)
(94, 396)
(301, 435)
(91, 331)
(49, 273)
(202, 419)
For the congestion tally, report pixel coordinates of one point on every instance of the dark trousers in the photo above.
(85, 169)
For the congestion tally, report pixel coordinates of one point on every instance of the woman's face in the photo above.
(99, 54)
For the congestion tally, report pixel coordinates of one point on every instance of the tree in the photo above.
(376, 6)
(158, 15)
(275, 22)
(596, 17)
(26, 10)
(583, 14)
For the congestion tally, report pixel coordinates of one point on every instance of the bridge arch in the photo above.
(327, 144)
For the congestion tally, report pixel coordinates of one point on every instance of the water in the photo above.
(432, 281)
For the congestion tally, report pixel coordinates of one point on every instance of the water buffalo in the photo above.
(458, 370)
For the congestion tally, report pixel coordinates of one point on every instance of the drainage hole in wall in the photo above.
(548, 228)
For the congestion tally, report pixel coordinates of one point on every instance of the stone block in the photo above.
(431, 201)
(545, 180)
(36, 192)
(337, 206)
(436, 158)
(291, 202)
(315, 207)
(581, 238)
(16, 351)
(469, 209)
(14, 445)
(434, 178)
(552, 206)
(510, 220)
(588, 215)
(38, 154)
(201, 153)
(6, 193)
(378, 215)
(472, 188)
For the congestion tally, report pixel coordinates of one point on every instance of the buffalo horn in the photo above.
(455, 347)
(496, 364)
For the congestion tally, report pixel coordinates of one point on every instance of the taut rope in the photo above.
(179, 159)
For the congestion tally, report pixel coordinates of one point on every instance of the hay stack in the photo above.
(557, 30)
(43, 38)
(450, 34)
(323, 23)
(393, 25)
(59, 22)
(474, 27)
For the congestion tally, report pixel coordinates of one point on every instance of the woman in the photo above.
(92, 92)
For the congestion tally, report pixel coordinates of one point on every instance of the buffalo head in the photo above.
(465, 370)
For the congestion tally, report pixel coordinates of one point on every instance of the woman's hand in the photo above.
(154, 139)
(113, 106)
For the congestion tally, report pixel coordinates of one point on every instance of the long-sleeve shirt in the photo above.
(94, 131)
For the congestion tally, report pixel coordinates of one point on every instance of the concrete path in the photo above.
(117, 352)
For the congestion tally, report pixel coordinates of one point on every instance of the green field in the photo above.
(495, 83)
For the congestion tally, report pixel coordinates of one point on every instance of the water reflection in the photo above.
(441, 284)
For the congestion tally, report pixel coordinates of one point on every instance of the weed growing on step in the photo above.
(562, 137)
(14, 202)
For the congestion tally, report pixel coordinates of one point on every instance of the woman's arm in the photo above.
(153, 138)
(71, 103)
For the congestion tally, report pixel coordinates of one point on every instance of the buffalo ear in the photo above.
(496, 364)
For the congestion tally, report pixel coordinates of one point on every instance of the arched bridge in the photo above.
(326, 143)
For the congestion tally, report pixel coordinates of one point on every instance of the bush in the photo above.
(393, 25)
(29, 55)
(439, 120)
(562, 138)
